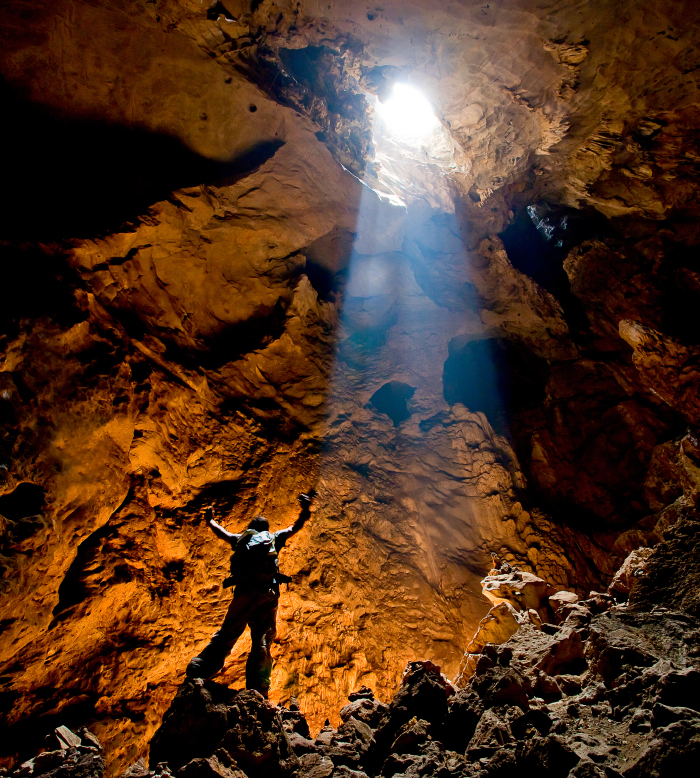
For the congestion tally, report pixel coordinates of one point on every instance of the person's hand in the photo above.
(306, 498)
(209, 514)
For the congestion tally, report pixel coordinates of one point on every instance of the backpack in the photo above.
(254, 560)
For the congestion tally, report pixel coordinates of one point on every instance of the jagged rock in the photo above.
(521, 589)
(294, 721)
(559, 601)
(194, 725)
(424, 694)
(674, 750)
(65, 763)
(628, 575)
(67, 739)
(535, 652)
(363, 693)
(219, 765)
(301, 745)
(205, 717)
(315, 766)
(502, 686)
(137, 770)
(364, 709)
(463, 714)
(671, 574)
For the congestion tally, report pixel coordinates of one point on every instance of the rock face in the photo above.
(203, 305)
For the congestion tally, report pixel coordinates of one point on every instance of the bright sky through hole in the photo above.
(407, 113)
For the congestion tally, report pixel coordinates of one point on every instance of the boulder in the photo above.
(522, 590)
(205, 717)
(629, 574)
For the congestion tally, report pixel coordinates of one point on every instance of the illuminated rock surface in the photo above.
(203, 305)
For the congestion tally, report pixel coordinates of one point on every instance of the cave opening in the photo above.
(392, 399)
(538, 240)
(494, 376)
(407, 113)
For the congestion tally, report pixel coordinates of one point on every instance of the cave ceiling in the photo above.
(225, 283)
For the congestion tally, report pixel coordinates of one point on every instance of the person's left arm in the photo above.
(218, 530)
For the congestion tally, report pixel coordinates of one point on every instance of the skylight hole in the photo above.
(407, 114)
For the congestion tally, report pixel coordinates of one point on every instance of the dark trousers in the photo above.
(256, 608)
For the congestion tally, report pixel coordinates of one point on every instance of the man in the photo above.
(255, 574)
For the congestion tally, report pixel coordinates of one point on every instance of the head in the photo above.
(259, 523)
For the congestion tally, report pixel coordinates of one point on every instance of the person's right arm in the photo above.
(283, 535)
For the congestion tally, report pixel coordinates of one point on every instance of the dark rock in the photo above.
(663, 715)
(671, 574)
(547, 688)
(301, 745)
(569, 684)
(681, 688)
(411, 736)
(537, 720)
(363, 693)
(463, 714)
(194, 724)
(212, 767)
(674, 751)
(548, 757)
(356, 733)
(641, 721)
(315, 766)
(256, 739)
(68, 763)
(294, 721)
(345, 772)
(424, 694)
(205, 716)
(364, 709)
(502, 686)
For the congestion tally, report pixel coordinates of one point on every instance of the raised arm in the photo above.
(217, 529)
(282, 536)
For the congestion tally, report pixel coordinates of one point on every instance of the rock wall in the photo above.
(210, 308)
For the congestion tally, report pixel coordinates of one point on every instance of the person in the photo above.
(256, 577)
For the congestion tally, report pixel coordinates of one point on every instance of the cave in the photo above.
(234, 275)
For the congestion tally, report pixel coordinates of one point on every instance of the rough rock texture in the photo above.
(202, 305)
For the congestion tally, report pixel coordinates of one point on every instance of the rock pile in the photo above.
(604, 692)
(67, 754)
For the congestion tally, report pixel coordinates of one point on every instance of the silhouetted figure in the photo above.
(256, 576)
